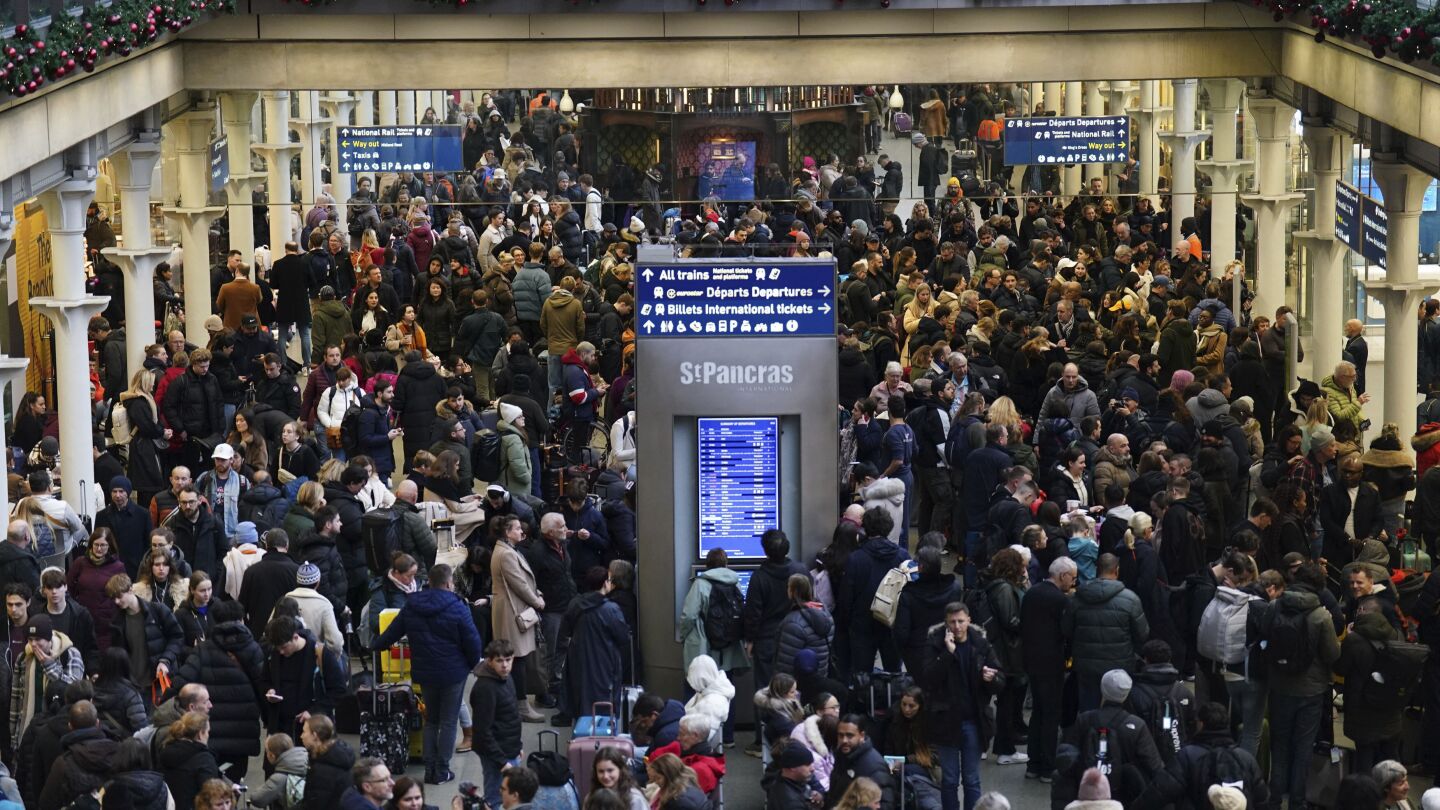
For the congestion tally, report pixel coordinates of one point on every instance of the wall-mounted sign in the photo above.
(401, 149)
(735, 300)
(219, 163)
(739, 484)
(1361, 223)
(1099, 139)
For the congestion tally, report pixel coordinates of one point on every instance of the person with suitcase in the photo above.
(496, 714)
(447, 646)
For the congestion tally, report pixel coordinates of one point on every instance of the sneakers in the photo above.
(1012, 759)
(439, 777)
(753, 750)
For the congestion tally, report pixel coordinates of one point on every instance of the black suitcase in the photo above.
(388, 712)
(965, 159)
(347, 710)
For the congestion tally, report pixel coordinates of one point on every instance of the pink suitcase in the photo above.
(582, 751)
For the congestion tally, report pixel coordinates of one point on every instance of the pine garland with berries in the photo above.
(71, 44)
(1389, 27)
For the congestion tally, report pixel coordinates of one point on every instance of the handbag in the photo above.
(332, 438)
(527, 619)
(1328, 767)
(284, 476)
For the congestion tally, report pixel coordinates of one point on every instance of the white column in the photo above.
(1182, 140)
(439, 100)
(407, 108)
(1329, 149)
(1070, 175)
(237, 108)
(310, 126)
(1402, 291)
(388, 109)
(277, 152)
(134, 167)
(1272, 201)
(337, 109)
(70, 310)
(365, 111)
(1053, 97)
(1224, 169)
(1149, 142)
(191, 133)
(1094, 106)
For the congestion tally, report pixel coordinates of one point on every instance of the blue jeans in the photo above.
(535, 470)
(282, 333)
(960, 766)
(442, 703)
(974, 547)
(492, 771)
(1294, 724)
(1247, 707)
(555, 373)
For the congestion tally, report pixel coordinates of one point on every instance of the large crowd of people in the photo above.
(1083, 524)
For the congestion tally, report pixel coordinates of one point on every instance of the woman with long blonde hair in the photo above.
(143, 465)
(863, 794)
(675, 779)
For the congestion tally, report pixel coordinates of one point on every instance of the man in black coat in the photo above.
(18, 564)
(766, 603)
(141, 625)
(85, 765)
(1340, 500)
(277, 388)
(1211, 758)
(792, 789)
(343, 496)
(302, 677)
(130, 523)
(960, 674)
(855, 756)
(1041, 612)
(931, 159)
(267, 581)
(198, 535)
(930, 421)
(194, 406)
(495, 713)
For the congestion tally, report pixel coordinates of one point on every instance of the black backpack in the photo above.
(380, 537)
(978, 604)
(1224, 766)
(485, 455)
(1396, 675)
(1164, 716)
(1287, 641)
(722, 615)
(1101, 748)
(350, 427)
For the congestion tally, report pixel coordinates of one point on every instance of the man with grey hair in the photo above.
(549, 558)
(694, 735)
(1343, 398)
(1040, 616)
(1356, 351)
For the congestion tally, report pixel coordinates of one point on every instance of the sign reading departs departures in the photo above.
(715, 299)
(401, 149)
(1102, 139)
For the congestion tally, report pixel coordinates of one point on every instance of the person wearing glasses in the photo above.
(373, 786)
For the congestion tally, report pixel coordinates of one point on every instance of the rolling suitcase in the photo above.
(393, 667)
(592, 733)
(964, 158)
(386, 709)
(557, 788)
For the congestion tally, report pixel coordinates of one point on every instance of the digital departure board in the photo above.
(739, 463)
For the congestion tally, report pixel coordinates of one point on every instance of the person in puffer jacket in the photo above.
(1106, 625)
(806, 627)
(886, 494)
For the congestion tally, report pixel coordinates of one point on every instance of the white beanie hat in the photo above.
(510, 412)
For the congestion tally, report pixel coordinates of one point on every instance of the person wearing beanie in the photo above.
(1211, 758)
(1309, 473)
(315, 610)
(792, 791)
(1094, 793)
(1430, 799)
(129, 522)
(1130, 755)
(516, 472)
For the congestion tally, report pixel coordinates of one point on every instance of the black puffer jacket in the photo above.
(329, 776)
(320, 549)
(418, 389)
(1106, 626)
(163, 637)
(194, 405)
(767, 603)
(229, 663)
(81, 769)
(806, 627)
(1004, 629)
(496, 714)
(568, 230)
(351, 511)
(140, 790)
(120, 704)
(187, 765)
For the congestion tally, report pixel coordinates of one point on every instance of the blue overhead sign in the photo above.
(1361, 223)
(735, 299)
(1100, 139)
(219, 163)
(1374, 231)
(401, 149)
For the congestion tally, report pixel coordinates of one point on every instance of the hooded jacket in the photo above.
(1111, 468)
(692, 623)
(1177, 348)
(1324, 646)
(805, 627)
(767, 602)
(442, 633)
(1080, 400)
(292, 763)
(1106, 626)
(229, 663)
(329, 326)
(145, 790)
(1206, 406)
(713, 690)
(187, 765)
(496, 715)
(81, 769)
(887, 494)
(580, 392)
(864, 570)
(562, 320)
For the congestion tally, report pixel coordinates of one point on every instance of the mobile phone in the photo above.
(895, 763)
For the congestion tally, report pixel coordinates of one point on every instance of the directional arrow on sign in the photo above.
(648, 274)
(649, 326)
(825, 291)
(825, 308)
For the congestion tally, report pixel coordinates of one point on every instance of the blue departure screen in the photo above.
(739, 484)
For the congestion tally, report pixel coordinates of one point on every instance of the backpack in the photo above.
(350, 429)
(1164, 716)
(1101, 749)
(1396, 676)
(380, 537)
(485, 455)
(722, 615)
(294, 791)
(1287, 641)
(978, 604)
(1223, 766)
(886, 602)
(1222, 626)
(120, 430)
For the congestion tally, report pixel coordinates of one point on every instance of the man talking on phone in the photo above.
(960, 676)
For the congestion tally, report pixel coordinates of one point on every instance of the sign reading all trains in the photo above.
(710, 299)
(401, 149)
(1101, 139)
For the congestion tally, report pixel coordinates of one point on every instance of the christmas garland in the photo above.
(1389, 27)
(75, 43)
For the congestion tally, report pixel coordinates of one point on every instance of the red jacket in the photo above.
(1426, 443)
(708, 770)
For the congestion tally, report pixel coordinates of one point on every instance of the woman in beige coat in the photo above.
(515, 606)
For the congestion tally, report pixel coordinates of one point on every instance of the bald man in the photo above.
(416, 539)
(1356, 351)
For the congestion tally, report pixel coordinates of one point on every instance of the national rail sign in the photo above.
(735, 299)
(426, 148)
(1067, 140)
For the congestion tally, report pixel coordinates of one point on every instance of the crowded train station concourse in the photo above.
(1057, 430)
